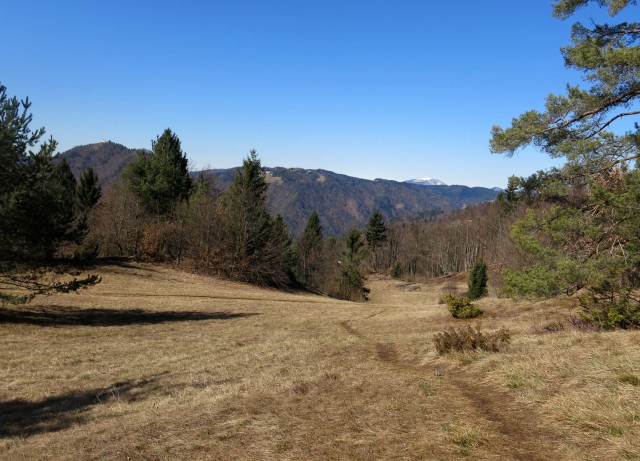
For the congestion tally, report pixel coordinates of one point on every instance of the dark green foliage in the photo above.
(308, 250)
(16, 138)
(161, 179)
(203, 186)
(256, 246)
(29, 280)
(576, 125)
(280, 253)
(376, 235)
(471, 339)
(88, 193)
(591, 244)
(248, 223)
(37, 207)
(565, 8)
(376, 231)
(351, 282)
(396, 270)
(588, 241)
(37, 198)
(461, 307)
(609, 307)
(478, 280)
(43, 208)
(88, 190)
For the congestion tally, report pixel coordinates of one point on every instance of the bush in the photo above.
(461, 308)
(470, 339)
(608, 310)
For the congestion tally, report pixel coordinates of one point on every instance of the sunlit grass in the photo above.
(158, 364)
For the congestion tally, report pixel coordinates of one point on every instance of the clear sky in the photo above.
(391, 89)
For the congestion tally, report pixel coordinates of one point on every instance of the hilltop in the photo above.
(341, 201)
(107, 158)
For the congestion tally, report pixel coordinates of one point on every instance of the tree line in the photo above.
(44, 211)
(571, 230)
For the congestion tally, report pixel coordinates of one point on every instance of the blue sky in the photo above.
(373, 89)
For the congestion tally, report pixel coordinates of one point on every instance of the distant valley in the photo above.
(341, 201)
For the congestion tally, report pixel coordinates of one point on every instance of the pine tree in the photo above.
(280, 253)
(588, 239)
(376, 234)
(308, 248)
(37, 213)
(248, 226)
(16, 138)
(88, 191)
(161, 179)
(351, 277)
(478, 280)
(37, 199)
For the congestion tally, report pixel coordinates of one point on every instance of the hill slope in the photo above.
(158, 364)
(107, 158)
(344, 201)
(341, 201)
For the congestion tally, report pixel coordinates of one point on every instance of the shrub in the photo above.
(552, 327)
(608, 309)
(580, 323)
(470, 339)
(460, 307)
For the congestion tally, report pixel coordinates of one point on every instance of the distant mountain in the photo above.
(426, 182)
(341, 201)
(107, 158)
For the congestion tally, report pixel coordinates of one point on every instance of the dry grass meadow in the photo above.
(156, 364)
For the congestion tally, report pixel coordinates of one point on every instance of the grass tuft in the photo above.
(630, 379)
(471, 339)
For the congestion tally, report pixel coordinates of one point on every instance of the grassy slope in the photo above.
(157, 364)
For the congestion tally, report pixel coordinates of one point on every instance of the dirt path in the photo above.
(517, 427)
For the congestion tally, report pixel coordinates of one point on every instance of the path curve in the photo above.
(526, 440)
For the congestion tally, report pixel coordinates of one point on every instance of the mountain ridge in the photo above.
(427, 181)
(340, 200)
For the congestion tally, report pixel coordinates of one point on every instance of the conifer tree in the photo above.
(376, 234)
(588, 239)
(308, 248)
(88, 191)
(280, 254)
(351, 277)
(249, 229)
(37, 213)
(161, 179)
(37, 199)
(478, 280)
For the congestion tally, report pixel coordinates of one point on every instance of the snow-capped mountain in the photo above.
(426, 182)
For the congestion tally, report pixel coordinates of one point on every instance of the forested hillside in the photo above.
(341, 201)
(344, 201)
(107, 159)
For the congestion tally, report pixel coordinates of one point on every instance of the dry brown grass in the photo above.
(154, 364)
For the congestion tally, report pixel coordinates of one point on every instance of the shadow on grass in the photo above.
(65, 316)
(22, 418)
